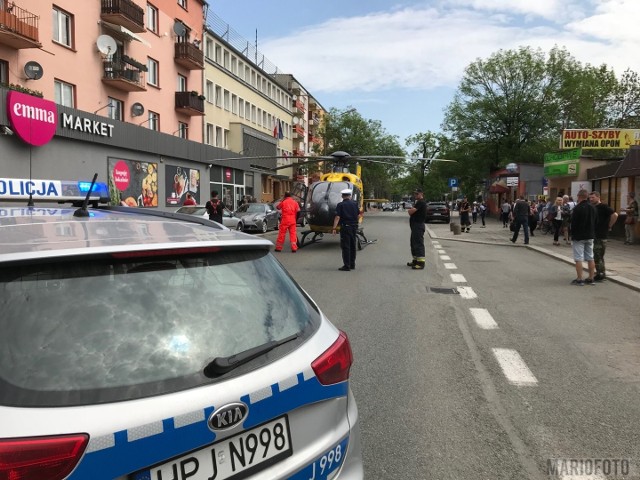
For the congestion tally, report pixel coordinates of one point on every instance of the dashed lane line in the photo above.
(514, 368)
(483, 318)
(450, 266)
(467, 292)
(445, 257)
(458, 278)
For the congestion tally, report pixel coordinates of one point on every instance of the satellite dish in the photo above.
(294, 97)
(33, 70)
(106, 45)
(296, 120)
(179, 29)
(137, 109)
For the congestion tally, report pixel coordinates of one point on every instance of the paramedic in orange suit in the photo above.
(289, 208)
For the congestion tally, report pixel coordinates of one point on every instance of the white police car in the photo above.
(145, 345)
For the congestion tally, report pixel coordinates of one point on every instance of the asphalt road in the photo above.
(486, 365)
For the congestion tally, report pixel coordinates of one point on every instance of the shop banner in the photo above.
(179, 181)
(133, 183)
(600, 139)
(566, 163)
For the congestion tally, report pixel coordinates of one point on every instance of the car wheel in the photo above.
(277, 224)
(239, 226)
(265, 227)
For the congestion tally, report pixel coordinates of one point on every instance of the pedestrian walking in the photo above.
(347, 213)
(631, 220)
(505, 210)
(533, 218)
(417, 216)
(583, 232)
(215, 207)
(474, 212)
(465, 210)
(521, 219)
(567, 207)
(483, 213)
(605, 220)
(555, 215)
(288, 222)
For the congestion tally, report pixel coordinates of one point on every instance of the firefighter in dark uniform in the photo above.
(417, 216)
(347, 213)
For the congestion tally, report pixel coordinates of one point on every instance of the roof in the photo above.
(630, 166)
(41, 232)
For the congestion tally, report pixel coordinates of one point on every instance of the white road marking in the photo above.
(483, 318)
(467, 292)
(441, 252)
(583, 477)
(450, 266)
(445, 257)
(458, 278)
(435, 243)
(514, 368)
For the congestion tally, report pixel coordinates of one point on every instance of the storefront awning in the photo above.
(497, 188)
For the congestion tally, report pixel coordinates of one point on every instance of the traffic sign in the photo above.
(453, 182)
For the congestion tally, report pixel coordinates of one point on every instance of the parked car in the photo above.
(258, 217)
(438, 211)
(388, 207)
(137, 345)
(229, 220)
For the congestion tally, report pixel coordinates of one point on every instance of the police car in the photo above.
(146, 345)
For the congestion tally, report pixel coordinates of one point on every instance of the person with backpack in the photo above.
(215, 207)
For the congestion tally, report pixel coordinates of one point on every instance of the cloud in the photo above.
(428, 47)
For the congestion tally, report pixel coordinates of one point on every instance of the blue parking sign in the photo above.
(453, 182)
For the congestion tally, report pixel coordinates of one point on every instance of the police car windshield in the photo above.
(104, 330)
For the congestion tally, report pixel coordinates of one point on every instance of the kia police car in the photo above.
(146, 345)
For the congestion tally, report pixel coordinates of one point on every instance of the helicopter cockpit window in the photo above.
(328, 191)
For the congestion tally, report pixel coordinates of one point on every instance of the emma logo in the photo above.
(33, 119)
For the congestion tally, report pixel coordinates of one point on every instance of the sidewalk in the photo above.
(622, 261)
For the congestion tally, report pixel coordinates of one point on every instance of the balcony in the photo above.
(298, 131)
(190, 103)
(124, 73)
(18, 27)
(314, 139)
(298, 153)
(124, 13)
(298, 107)
(189, 56)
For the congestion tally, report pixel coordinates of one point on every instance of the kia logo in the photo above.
(228, 416)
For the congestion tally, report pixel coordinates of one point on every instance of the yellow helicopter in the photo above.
(319, 200)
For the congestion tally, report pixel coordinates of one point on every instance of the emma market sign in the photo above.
(33, 119)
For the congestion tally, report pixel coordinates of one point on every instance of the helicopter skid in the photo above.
(361, 239)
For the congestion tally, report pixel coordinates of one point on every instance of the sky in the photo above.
(400, 62)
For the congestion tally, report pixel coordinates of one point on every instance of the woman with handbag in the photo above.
(632, 218)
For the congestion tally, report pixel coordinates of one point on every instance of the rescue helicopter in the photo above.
(320, 199)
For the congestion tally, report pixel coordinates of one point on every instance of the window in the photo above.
(115, 111)
(208, 48)
(259, 117)
(227, 105)
(218, 58)
(183, 3)
(225, 59)
(183, 130)
(209, 91)
(209, 139)
(4, 71)
(247, 111)
(225, 138)
(218, 96)
(241, 70)
(234, 65)
(182, 83)
(152, 72)
(64, 93)
(152, 18)
(241, 108)
(218, 136)
(254, 117)
(154, 121)
(234, 104)
(62, 27)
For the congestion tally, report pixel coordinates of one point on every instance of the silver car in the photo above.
(258, 217)
(139, 346)
(229, 220)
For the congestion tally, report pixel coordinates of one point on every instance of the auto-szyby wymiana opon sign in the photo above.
(600, 138)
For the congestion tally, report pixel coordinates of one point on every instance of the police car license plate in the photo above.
(233, 457)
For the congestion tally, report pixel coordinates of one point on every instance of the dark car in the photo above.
(437, 211)
(258, 217)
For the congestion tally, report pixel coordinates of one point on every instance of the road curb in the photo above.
(610, 277)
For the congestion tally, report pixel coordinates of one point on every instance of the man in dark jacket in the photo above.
(215, 207)
(583, 231)
(417, 216)
(521, 219)
(605, 219)
(347, 216)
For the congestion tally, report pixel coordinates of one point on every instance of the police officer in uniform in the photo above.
(347, 213)
(417, 216)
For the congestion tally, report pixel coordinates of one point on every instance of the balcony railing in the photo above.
(189, 56)
(124, 13)
(298, 131)
(18, 27)
(124, 74)
(190, 103)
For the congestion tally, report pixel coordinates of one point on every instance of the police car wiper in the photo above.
(221, 365)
